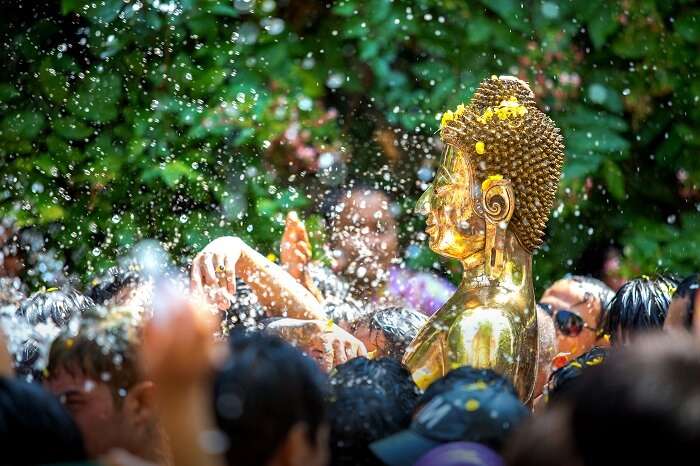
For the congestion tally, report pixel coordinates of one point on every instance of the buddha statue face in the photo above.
(454, 223)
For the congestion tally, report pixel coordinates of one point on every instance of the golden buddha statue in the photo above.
(487, 207)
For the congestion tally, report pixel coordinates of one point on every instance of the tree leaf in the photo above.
(614, 180)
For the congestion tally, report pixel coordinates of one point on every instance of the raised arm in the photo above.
(216, 266)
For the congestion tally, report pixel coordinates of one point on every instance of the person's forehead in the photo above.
(63, 381)
(568, 291)
(363, 202)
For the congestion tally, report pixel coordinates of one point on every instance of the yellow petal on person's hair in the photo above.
(472, 405)
(329, 325)
(69, 343)
(480, 147)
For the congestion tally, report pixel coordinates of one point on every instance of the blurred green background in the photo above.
(184, 120)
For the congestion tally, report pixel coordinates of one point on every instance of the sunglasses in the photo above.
(566, 321)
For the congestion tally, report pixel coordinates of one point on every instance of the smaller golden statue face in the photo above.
(453, 225)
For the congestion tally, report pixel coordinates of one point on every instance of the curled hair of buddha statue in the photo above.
(503, 135)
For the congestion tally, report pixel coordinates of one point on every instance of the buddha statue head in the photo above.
(498, 175)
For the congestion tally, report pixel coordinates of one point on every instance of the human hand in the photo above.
(296, 253)
(213, 273)
(178, 348)
(324, 341)
(295, 248)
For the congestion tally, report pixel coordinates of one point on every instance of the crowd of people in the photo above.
(251, 362)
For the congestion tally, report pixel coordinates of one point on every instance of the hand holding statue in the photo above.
(324, 341)
(213, 272)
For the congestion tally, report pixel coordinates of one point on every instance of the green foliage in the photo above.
(124, 120)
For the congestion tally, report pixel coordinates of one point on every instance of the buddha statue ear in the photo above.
(498, 203)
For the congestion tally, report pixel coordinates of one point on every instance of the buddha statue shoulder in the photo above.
(487, 207)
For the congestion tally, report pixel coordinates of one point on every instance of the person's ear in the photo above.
(139, 403)
(296, 448)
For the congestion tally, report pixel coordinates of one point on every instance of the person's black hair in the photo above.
(35, 428)
(687, 289)
(55, 305)
(368, 400)
(562, 379)
(265, 388)
(639, 305)
(399, 325)
(601, 291)
(465, 375)
(103, 344)
(245, 311)
(113, 281)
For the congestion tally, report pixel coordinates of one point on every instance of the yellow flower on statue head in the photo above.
(446, 118)
(490, 180)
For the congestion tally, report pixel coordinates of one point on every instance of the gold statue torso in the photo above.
(487, 207)
(485, 324)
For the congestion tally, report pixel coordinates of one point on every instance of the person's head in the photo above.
(387, 332)
(122, 286)
(639, 306)
(56, 306)
(368, 400)
(346, 312)
(269, 402)
(95, 374)
(245, 310)
(46, 313)
(35, 428)
(576, 305)
(364, 237)
(472, 405)
(645, 396)
(681, 309)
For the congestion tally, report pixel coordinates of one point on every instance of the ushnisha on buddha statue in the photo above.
(487, 207)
